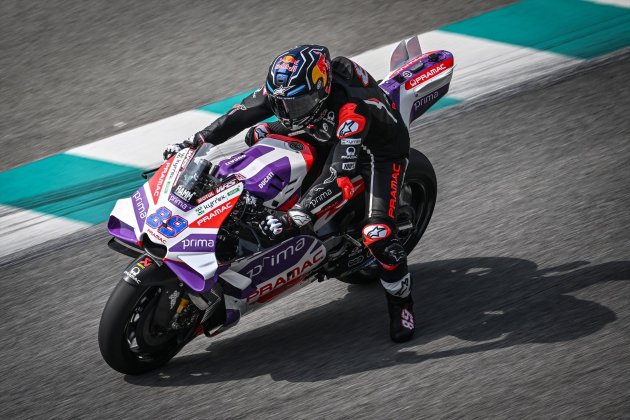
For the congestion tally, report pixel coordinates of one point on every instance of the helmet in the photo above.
(298, 83)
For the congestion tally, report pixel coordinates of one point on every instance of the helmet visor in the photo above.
(296, 107)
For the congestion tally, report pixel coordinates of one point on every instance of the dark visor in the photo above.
(295, 107)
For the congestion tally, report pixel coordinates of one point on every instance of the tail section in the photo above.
(417, 81)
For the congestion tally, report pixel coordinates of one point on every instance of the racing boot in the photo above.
(400, 306)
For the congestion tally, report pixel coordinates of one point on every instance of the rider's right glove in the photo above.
(287, 223)
(193, 142)
(274, 226)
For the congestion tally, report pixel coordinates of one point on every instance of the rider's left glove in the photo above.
(193, 142)
(275, 225)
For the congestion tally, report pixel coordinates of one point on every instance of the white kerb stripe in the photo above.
(618, 3)
(483, 66)
(29, 228)
(142, 147)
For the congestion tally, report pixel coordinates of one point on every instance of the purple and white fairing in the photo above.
(272, 169)
(419, 83)
(190, 252)
(261, 277)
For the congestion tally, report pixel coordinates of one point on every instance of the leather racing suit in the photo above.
(360, 132)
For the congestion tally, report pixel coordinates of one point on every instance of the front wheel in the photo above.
(415, 207)
(130, 340)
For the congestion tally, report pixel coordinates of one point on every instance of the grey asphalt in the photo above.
(521, 284)
(76, 71)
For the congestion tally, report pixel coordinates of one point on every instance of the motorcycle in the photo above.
(201, 261)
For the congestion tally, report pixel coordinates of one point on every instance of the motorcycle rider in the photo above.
(339, 108)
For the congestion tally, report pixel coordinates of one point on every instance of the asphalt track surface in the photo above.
(521, 283)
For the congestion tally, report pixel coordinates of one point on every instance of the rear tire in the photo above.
(415, 204)
(127, 339)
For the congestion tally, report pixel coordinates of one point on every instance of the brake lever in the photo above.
(145, 174)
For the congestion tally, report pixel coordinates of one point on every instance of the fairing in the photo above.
(186, 229)
(419, 83)
(273, 169)
(264, 276)
(167, 210)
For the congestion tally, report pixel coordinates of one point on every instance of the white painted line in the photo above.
(29, 228)
(618, 3)
(142, 147)
(481, 66)
(484, 67)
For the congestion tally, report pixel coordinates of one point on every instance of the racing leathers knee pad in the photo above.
(382, 242)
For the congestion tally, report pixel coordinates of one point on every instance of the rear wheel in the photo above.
(130, 340)
(415, 207)
(416, 200)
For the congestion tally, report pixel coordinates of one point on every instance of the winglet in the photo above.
(399, 56)
(413, 47)
(405, 51)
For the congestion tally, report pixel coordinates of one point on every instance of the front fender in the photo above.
(144, 271)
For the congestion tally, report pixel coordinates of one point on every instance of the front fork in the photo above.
(178, 307)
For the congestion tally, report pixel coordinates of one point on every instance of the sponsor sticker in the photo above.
(425, 100)
(134, 271)
(350, 142)
(140, 204)
(348, 127)
(265, 180)
(212, 214)
(183, 192)
(218, 190)
(428, 74)
(197, 243)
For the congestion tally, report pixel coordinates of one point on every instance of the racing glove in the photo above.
(294, 219)
(193, 142)
(274, 226)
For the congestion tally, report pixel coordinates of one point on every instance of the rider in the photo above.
(339, 108)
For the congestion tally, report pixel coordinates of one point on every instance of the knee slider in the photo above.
(382, 242)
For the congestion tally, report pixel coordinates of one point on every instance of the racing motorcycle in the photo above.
(200, 259)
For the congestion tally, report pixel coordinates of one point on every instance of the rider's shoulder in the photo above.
(350, 74)
(342, 66)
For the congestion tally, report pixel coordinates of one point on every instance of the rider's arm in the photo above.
(262, 130)
(254, 108)
(351, 130)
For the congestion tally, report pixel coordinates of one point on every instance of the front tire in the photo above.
(127, 338)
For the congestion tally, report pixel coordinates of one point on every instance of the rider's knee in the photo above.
(379, 235)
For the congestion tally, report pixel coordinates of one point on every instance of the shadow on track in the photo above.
(493, 302)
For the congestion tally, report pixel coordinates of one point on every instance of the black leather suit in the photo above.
(360, 132)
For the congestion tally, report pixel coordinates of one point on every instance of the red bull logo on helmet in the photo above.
(320, 70)
(287, 62)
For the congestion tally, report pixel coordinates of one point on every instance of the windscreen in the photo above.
(191, 182)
